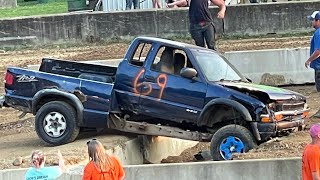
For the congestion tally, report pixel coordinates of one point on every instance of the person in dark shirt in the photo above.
(135, 3)
(201, 23)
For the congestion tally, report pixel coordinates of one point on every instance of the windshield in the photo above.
(215, 67)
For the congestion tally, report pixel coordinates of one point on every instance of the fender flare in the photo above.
(73, 98)
(202, 120)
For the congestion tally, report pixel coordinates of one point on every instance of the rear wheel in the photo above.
(55, 123)
(231, 139)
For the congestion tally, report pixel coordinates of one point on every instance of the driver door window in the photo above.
(170, 60)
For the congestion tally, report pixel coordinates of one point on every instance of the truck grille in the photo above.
(290, 106)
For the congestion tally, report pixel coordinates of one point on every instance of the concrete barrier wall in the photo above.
(273, 169)
(252, 19)
(268, 169)
(8, 3)
(271, 67)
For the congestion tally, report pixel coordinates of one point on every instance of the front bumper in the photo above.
(273, 129)
(288, 122)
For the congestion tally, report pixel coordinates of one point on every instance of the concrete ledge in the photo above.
(250, 19)
(271, 67)
(271, 169)
(268, 169)
(12, 42)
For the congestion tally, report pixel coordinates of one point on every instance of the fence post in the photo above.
(104, 5)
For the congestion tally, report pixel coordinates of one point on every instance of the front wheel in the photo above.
(56, 124)
(231, 139)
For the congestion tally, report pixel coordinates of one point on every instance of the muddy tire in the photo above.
(231, 139)
(56, 123)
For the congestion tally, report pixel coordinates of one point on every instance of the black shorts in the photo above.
(317, 78)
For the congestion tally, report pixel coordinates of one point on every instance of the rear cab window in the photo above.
(140, 53)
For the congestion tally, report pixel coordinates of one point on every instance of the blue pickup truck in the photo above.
(161, 88)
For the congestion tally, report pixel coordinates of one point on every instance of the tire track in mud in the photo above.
(21, 126)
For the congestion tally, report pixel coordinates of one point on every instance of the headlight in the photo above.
(272, 106)
(272, 118)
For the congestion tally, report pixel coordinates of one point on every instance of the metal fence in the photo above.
(120, 5)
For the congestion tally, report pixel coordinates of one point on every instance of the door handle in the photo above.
(149, 78)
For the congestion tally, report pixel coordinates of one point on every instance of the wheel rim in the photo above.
(54, 124)
(229, 146)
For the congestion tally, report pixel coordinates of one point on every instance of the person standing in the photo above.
(156, 4)
(202, 29)
(38, 171)
(101, 166)
(314, 60)
(311, 156)
(136, 4)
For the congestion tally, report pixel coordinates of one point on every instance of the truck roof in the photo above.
(167, 41)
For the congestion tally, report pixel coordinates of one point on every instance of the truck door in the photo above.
(128, 85)
(171, 96)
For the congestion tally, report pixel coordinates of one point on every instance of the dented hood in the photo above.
(274, 93)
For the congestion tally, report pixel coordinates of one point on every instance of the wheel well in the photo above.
(49, 98)
(220, 115)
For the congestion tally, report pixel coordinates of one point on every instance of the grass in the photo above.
(32, 8)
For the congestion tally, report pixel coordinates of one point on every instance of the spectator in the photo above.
(314, 60)
(156, 4)
(38, 171)
(136, 4)
(101, 166)
(173, 4)
(201, 23)
(311, 156)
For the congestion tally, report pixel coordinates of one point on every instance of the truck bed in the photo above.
(91, 83)
(101, 73)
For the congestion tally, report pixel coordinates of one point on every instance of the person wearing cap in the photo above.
(311, 156)
(314, 60)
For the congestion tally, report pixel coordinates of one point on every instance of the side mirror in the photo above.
(249, 79)
(188, 73)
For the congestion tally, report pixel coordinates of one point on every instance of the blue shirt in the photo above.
(314, 45)
(44, 173)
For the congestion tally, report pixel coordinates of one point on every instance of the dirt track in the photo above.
(18, 137)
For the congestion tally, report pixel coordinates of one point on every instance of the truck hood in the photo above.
(274, 93)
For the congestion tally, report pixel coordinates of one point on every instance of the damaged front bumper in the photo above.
(291, 121)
